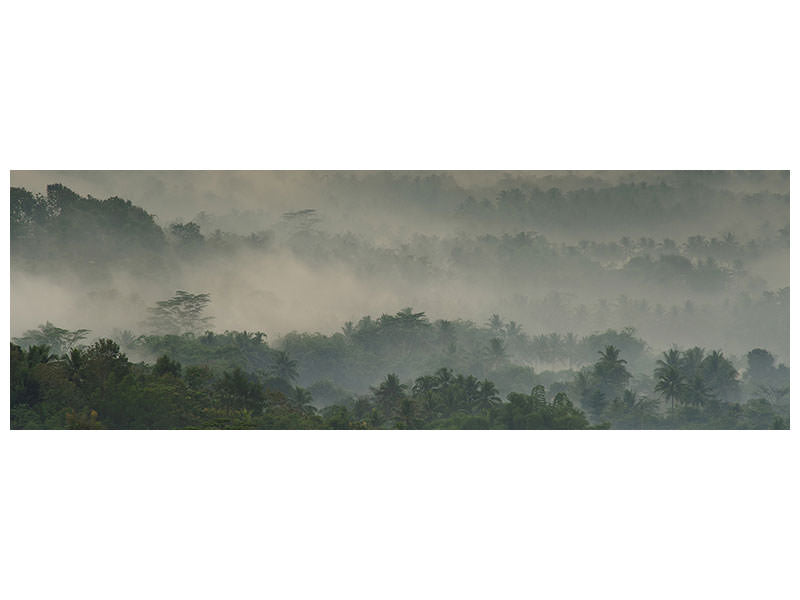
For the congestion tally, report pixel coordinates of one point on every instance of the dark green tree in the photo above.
(388, 394)
(610, 374)
(670, 382)
(166, 366)
(283, 366)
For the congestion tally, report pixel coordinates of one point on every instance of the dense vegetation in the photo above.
(236, 380)
(633, 332)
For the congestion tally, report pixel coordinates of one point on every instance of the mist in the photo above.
(679, 259)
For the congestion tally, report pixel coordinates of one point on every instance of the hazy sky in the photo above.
(281, 290)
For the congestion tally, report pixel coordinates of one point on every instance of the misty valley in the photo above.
(400, 300)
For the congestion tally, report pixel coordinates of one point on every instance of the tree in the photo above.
(40, 354)
(183, 313)
(720, 375)
(74, 361)
(496, 352)
(487, 396)
(692, 361)
(389, 393)
(239, 391)
(284, 367)
(447, 335)
(444, 376)
(610, 372)
(59, 340)
(760, 366)
(187, 234)
(301, 399)
(696, 392)
(406, 413)
(166, 366)
(670, 382)
(495, 325)
(631, 410)
(408, 319)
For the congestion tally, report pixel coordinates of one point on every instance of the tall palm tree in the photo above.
(692, 359)
(389, 393)
(471, 389)
(73, 361)
(610, 371)
(284, 367)
(487, 396)
(672, 358)
(670, 382)
(496, 352)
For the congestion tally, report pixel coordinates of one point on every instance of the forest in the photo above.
(564, 300)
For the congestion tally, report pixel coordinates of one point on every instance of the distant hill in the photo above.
(84, 233)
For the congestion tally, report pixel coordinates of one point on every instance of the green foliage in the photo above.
(64, 230)
(98, 387)
(197, 378)
(165, 366)
(283, 367)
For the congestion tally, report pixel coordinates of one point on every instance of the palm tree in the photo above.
(424, 390)
(301, 399)
(284, 367)
(692, 359)
(496, 352)
(697, 393)
(670, 382)
(495, 324)
(611, 372)
(487, 396)
(672, 358)
(73, 362)
(720, 375)
(389, 393)
(470, 385)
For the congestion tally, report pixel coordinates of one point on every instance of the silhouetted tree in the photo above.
(183, 313)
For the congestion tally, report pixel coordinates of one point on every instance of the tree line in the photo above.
(235, 379)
